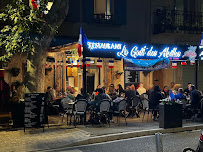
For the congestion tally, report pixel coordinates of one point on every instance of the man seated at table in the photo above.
(49, 109)
(187, 90)
(165, 92)
(154, 100)
(180, 94)
(57, 98)
(195, 97)
(98, 99)
(141, 89)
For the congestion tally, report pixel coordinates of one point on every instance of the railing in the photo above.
(103, 19)
(173, 20)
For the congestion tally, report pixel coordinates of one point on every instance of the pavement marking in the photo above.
(67, 148)
(74, 150)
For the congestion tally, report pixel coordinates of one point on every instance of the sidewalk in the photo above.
(64, 136)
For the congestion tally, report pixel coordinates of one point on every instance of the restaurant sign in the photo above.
(135, 51)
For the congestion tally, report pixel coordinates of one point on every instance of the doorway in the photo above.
(158, 78)
(90, 84)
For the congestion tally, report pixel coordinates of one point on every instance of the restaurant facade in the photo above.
(114, 62)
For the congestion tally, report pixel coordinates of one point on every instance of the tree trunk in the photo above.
(35, 75)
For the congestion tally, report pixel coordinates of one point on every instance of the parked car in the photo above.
(199, 147)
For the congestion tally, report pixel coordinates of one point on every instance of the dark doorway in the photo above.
(90, 84)
(158, 78)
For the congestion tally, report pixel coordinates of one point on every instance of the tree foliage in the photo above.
(24, 28)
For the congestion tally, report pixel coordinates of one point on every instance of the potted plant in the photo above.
(118, 74)
(47, 70)
(15, 71)
(170, 114)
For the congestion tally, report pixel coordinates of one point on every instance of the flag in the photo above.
(78, 63)
(49, 64)
(201, 42)
(171, 96)
(61, 63)
(174, 64)
(192, 62)
(52, 64)
(88, 62)
(183, 63)
(111, 64)
(81, 41)
(66, 64)
(71, 64)
(35, 3)
(58, 64)
(99, 63)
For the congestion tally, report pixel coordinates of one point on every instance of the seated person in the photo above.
(49, 109)
(195, 97)
(129, 94)
(165, 92)
(187, 90)
(154, 99)
(80, 96)
(98, 99)
(57, 98)
(119, 90)
(141, 89)
(180, 94)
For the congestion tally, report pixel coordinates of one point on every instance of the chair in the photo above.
(104, 109)
(146, 107)
(184, 102)
(80, 109)
(121, 108)
(68, 108)
(135, 105)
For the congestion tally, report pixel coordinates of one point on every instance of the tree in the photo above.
(30, 30)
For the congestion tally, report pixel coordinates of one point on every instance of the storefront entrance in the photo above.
(158, 78)
(90, 84)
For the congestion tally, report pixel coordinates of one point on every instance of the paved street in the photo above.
(174, 142)
(61, 135)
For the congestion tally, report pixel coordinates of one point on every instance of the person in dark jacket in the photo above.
(119, 90)
(98, 99)
(154, 99)
(165, 92)
(129, 94)
(187, 90)
(195, 97)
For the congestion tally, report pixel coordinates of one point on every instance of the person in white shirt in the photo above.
(141, 89)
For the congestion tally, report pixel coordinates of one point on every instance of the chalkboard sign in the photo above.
(131, 77)
(34, 110)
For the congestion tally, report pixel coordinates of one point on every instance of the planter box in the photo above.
(170, 116)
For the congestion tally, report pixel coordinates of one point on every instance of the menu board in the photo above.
(34, 110)
(131, 77)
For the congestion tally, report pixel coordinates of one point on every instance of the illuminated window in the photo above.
(102, 9)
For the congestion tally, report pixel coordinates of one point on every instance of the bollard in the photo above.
(159, 145)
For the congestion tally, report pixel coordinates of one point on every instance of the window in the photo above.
(102, 10)
(189, 5)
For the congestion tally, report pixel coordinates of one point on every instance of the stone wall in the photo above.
(17, 61)
(118, 66)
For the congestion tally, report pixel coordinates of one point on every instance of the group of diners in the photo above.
(117, 94)
(191, 95)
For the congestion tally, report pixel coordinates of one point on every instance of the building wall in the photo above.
(17, 61)
(118, 66)
(133, 30)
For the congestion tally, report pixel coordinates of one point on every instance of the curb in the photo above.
(125, 135)
(132, 134)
